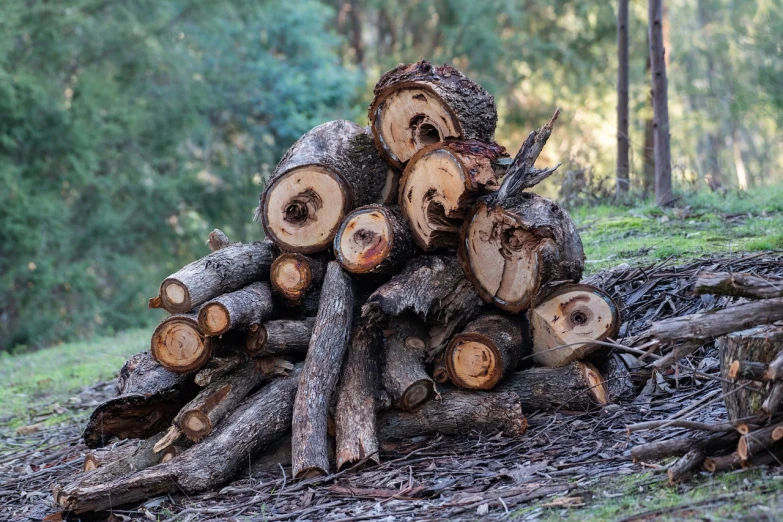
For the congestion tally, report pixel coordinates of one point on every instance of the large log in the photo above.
(571, 314)
(739, 285)
(179, 345)
(283, 336)
(441, 183)
(257, 423)
(486, 351)
(330, 170)
(237, 310)
(297, 279)
(418, 104)
(149, 396)
(320, 374)
(402, 370)
(224, 270)
(576, 387)
(374, 239)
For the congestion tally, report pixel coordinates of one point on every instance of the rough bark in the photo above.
(321, 372)
(623, 142)
(402, 370)
(178, 344)
(284, 336)
(418, 104)
(297, 279)
(218, 367)
(739, 285)
(355, 410)
(576, 387)
(217, 239)
(663, 159)
(680, 446)
(103, 456)
(237, 310)
(728, 462)
(684, 467)
(330, 170)
(375, 240)
(222, 271)
(257, 423)
(618, 379)
(141, 456)
(486, 351)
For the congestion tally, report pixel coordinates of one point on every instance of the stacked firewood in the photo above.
(407, 273)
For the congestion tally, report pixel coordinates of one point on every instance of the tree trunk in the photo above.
(570, 315)
(486, 351)
(576, 387)
(330, 170)
(419, 104)
(355, 422)
(374, 240)
(739, 285)
(457, 413)
(237, 310)
(149, 397)
(258, 422)
(283, 336)
(441, 183)
(320, 374)
(178, 344)
(623, 137)
(297, 280)
(663, 158)
(402, 371)
(222, 271)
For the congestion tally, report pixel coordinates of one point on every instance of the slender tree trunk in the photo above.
(663, 162)
(623, 181)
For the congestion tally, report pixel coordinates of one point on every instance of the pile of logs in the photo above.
(408, 284)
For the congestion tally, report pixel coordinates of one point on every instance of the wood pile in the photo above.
(408, 284)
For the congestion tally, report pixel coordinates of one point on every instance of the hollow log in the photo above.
(576, 387)
(441, 183)
(283, 336)
(329, 171)
(297, 279)
(761, 345)
(178, 344)
(374, 240)
(458, 412)
(320, 374)
(237, 310)
(258, 422)
(486, 351)
(679, 446)
(419, 104)
(402, 371)
(218, 367)
(739, 285)
(149, 398)
(224, 270)
(571, 314)
(355, 411)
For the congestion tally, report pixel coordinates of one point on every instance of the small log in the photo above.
(320, 374)
(657, 450)
(374, 240)
(218, 367)
(402, 371)
(440, 373)
(441, 183)
(747, 370)
(759, 441)
(457, 413)
(486, 351)
(257, 423)
(139, 455)
(355, 410)
(222, 271)
(571, 314)
(739, 285)
(178, 344)
(685, 465)
(284, 336)
(237, 310)
(108, 454)
(576, 387)
(419, 104)
(149, 398)
(217, 239)
(297, 279)
(728, 462)
(329, 171)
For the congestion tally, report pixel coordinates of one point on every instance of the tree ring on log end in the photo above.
(214, 319)
(364, 240)
(179, 346)
(291, 275)
(417, 394)
(175, 296)
(302, 209)
(195, 425)
(474, 362)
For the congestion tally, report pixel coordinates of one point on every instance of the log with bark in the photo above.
(739, 285)
(416, 105)
(402, 371)
(283, 336)
(487, 350)
(237, 310)
(441, 183)
(616, 371)
(217, 239)
(679, 446)
(329, 171)
(757, 442)
(374, 239)
(297, 279)
(106, 455)
(136, 455)
(217, 367)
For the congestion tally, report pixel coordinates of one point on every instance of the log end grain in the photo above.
(178, 344)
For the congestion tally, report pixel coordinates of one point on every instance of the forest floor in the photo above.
(572, 466)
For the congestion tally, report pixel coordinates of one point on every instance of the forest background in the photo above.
(131, 128)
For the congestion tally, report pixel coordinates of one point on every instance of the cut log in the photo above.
(739, 285)
(571, 314)
(760, 345)
(517, 249)
(680, 446)
(222, 271)
(759, 441)
(257, 423)
(320, 374)
(108, 454)
(283, 336)
(217, 239)
(149, 398)
(297, 280)
(329, 171)
(457, 413)
(748, 370)
(576, 387)
(355, 432)
(419, 104)
(218, 367)
(683, 467)
(441, 183)
(140, 455)
(374, 240)
(486, 351)
(440, 373)
(178, 344)
(728, 462)
(237, 310)
(402, 371)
